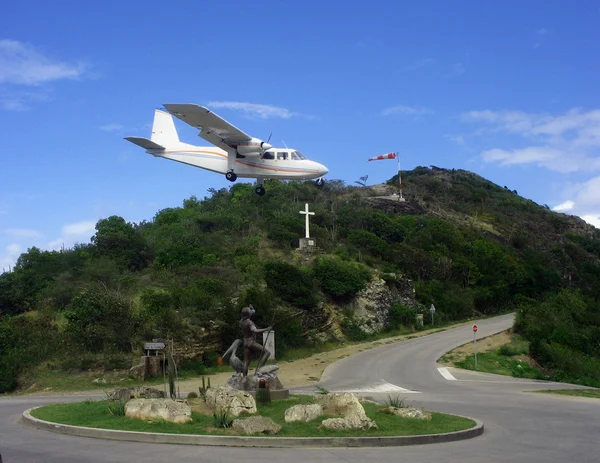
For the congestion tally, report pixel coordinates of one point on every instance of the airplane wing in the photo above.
(212, 128)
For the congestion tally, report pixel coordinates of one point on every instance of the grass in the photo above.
(509, 360)
(589, 393)
(96, 415)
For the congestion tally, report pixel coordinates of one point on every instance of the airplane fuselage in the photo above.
(214, 159)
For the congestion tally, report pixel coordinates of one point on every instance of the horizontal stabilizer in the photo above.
(145, 143)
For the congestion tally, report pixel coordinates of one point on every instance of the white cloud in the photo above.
(457, 139)
(22, 64)
(592, 219)
(18, 233)
(9, 256)
(567, 142)
(413, 111)
(584, 200)
(72, 233)
(562, 207)
(422, 63)
(113, 127)
(262, 111)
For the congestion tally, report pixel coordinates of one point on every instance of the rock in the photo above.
(159, 409)
(138, 371)
(120, 393)
(303, 412)
(407, 413)
(339, 424)
(99, 381)
(250, 382)
(256, 425)
(140, 392)
(227, 398)
(148, 393)
(348, 407)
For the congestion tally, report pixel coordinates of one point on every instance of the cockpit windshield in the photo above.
(298, 156)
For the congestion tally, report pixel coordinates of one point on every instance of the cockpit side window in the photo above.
(268, 155)
(298, 155)
(281, 155)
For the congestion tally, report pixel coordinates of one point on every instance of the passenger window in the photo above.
(281, 155)
(268, 155)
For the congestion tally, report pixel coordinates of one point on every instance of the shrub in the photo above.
(222, 419)
(192, 395)
(116, 407)
(341, 279)
(395, 401)
(291, 284)
(400, 315)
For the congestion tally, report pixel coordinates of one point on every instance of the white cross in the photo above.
(305, 212)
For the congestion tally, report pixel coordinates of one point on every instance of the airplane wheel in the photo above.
(320, 183)
(259, 190)
(231, 176)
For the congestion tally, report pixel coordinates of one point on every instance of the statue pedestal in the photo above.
(250, 383)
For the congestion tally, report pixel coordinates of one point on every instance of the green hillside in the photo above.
(459, 241)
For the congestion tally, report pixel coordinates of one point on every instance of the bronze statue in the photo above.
(249, 331)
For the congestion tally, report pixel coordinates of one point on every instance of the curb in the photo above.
(242, 441)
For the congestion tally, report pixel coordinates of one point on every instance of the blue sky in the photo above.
(508, 90)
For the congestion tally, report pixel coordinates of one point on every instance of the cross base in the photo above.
(307, 244)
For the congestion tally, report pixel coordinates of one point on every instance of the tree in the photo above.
(120, 241)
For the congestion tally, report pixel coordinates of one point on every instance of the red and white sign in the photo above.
(474, 328)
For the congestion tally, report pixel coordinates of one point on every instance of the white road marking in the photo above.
(380, 387)
(446, 374)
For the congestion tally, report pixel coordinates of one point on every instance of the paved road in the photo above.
(520, 426)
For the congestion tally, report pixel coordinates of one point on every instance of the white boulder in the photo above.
(227, 398)
(303, 412)
(348, 407)
(416, 413)
(256, 425)
(159, 409)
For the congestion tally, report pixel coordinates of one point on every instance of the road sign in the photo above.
(475, 344)
(154, 345)
(432, 309)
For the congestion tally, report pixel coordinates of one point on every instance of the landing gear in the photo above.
(319, 183)
(260, 190)
(231, 176)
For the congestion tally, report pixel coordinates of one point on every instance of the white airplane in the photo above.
(235, 154)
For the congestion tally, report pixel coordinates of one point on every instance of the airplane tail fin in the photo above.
(163, 129)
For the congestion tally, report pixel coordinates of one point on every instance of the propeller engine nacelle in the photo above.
(253, 147)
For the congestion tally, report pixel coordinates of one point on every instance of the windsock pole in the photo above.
(399, 177)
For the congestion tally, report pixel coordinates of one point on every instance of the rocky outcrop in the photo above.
(159, 409)
(303, 413)
(256, 425)
(250, 382)
(372, 305)
(233, 400)
(407, 413)
(348, 408)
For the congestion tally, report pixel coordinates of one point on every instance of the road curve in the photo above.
(520, 426)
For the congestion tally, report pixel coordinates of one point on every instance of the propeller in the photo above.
(265, 145)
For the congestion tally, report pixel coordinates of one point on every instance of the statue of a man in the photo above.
(250, 331)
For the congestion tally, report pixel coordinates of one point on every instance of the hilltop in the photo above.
(459, 241)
